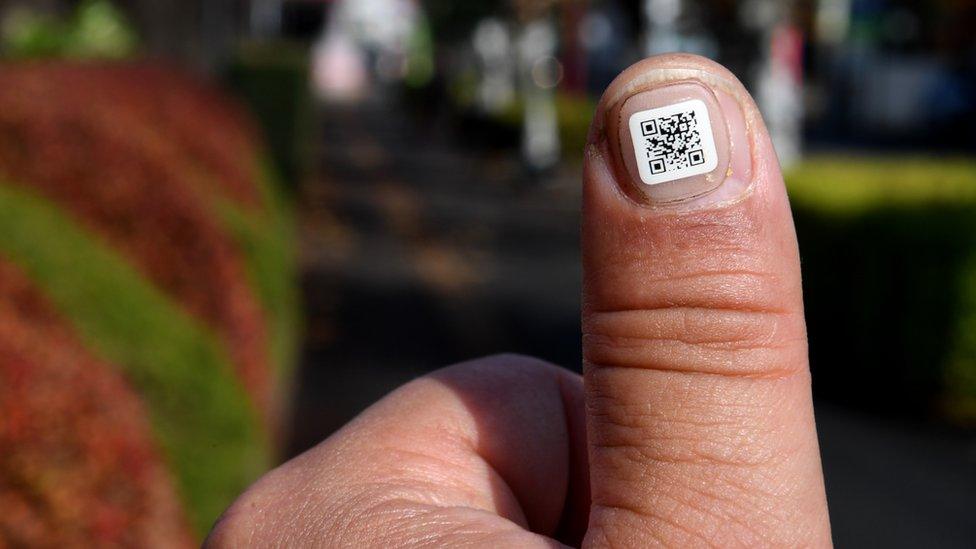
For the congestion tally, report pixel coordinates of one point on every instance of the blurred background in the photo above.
(228, 226)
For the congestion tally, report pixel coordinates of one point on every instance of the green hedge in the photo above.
(888, 247)
(201, 414)
(210, 433)
(267, 242)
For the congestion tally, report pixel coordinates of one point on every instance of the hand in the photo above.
(693, 424)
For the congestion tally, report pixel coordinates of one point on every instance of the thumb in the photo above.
(699, 410)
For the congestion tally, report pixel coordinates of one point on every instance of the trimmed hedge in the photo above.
(889, 263)
(200, 413)
(74, 135)
(79, 465)
(138, 201)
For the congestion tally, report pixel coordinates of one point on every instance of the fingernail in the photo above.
(680, 141)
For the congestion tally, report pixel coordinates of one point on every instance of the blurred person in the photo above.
(364, 41)
(492, 43)
(539, 74)
(693, 422)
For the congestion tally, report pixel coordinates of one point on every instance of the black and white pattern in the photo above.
(673, 142)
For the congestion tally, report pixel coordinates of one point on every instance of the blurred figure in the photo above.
(339, 67)
(365, 41)
(780, 80)
(539, 74)
(494, 46)
(603, 34)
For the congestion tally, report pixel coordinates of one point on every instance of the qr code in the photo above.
(673, 142)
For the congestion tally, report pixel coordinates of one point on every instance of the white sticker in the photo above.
(673, 142)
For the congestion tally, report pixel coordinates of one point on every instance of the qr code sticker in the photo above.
(673, 142)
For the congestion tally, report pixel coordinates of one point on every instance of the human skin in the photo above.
(691, 426)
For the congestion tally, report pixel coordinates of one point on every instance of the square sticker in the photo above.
(673, 142)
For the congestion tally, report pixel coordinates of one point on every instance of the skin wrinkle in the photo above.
(699, 503)
(457, 486)
(716, 515)
(732, 454)
(705, 231)
(624, 418)
(416, 524)
(666, 303)
(759, 465)
(721, 281)
(355, 504)
(707, 275)
(744, 279)
(744, 293)
(773, 517)
(686, 412)
(398, 521)
(694, 368)
(398, 514)
(737, 453)
(428, 490)
(461, 531)
(668, 355)
(750, 330)
(746, 489)
(652, 454)
(757, 339)
(655, 533)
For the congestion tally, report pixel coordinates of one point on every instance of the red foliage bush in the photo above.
(99, 141)
(78, 465)
(201, 126)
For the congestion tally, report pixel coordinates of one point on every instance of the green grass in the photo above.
(200, 413)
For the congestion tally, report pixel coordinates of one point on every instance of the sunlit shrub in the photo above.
(97, 29)
(79, 465)
(137, 200)
(888, 248)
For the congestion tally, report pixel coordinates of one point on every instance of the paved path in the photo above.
(419, 251)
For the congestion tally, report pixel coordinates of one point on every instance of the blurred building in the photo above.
(882, 70)
(864, 73)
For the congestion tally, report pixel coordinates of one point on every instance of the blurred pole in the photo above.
(675, 25)
(539, 74)
(780, 80)
(661, 23)
(573, 53)
(492, 43)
